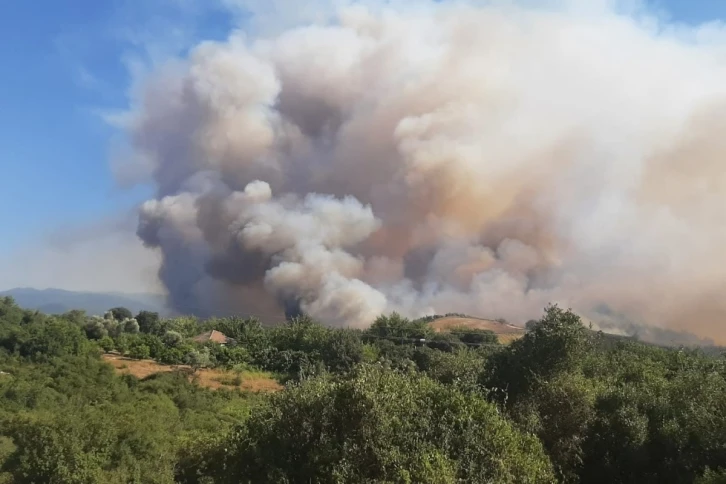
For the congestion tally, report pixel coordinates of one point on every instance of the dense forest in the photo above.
(396, 403)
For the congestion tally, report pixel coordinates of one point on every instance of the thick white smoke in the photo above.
(444, 157)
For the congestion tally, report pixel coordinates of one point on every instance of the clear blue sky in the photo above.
(62, 64)
(64, 61)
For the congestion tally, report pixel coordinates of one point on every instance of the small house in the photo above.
(213, 336)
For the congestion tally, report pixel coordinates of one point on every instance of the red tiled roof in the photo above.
(213, 336)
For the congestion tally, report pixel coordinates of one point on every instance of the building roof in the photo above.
(214, 336)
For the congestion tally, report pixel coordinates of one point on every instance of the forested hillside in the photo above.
(397, 403)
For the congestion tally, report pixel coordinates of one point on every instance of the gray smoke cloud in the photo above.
(443, 157)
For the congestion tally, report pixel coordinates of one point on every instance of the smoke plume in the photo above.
(478, 158)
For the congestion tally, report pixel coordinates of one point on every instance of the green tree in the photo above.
(188, 326)
(107, 344)
(173, 338)
(139, 351)
(130, 326)
(77, 316)
(560, 412)
(149, 322)
(396, 326)
(342, 350)
(558, 344)
(95, 329)
(10, 312)
(474, 336)
(54, 338)
(379, 426)
(121, 313)
(198, 359)
(54, 452)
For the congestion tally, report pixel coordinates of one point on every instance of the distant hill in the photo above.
(506, 332)
(56, 301)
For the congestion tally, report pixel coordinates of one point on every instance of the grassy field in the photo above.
(505, 332)
(252, 381)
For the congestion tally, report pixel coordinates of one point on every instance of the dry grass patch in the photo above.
(253, 381)
(504, 331)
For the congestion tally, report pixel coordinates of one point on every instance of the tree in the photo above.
(712, 477)
(396, 326)
(139, 352)
(149, 322)
(113, 327)
(77, 316)
(130, 326)
(187, 326)
(107, 344)
(95, 328)
(557, 344)
(120, 313)
(560, 411)
(51, 452)
(173, 338)
(342, 350)
(474, 336)
(55, 338)
(9, 311)
(198, 359)
(379, 426)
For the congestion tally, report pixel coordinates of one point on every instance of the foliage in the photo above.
(121, 314)
(149, 322)
(379, 426)
(394, 403)
(558, 343)
(173, 338)
(198, 359)
(472, 336)
(396, 326)
(130, 325)
(95, 329)
(72, 420)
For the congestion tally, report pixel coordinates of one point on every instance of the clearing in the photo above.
(505, 332)
(206, 377)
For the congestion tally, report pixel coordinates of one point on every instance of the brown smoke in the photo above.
(441, 157)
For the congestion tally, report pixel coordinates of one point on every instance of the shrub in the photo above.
(380, 426)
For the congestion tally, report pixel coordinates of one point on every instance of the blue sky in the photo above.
(63, 63)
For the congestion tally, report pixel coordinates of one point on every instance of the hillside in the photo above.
(58, 301)
(207, 377)
(506, 332)
(151, 403)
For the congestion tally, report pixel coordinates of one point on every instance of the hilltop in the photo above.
(505, 332)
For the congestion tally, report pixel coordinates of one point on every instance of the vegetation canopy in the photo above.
(396, 403)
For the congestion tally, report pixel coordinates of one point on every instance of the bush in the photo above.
(139, 351)
(172, 338)
(558, 344)
(149, 322)
(121, 314)
(380, 426)
(106, 344)
(95, 329)
(130, 326)
(476, 336)
(396, 326)
(198, 359)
